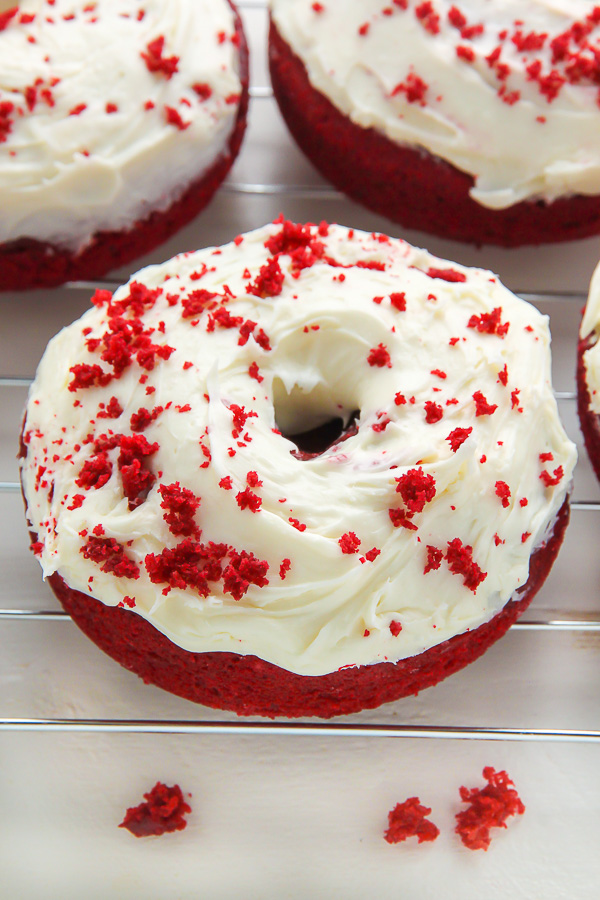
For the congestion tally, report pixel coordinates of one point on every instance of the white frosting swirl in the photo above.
(503, 126)
(65, 175)
(463, 354)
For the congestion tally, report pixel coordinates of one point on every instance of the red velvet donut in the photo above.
(406, 183)
(305, 473)
(29, 262)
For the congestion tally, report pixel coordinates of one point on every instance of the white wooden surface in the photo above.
(300, 815)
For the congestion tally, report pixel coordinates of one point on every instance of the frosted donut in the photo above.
(118, 121)
(588, 373)
(476, 121)
(191, 516)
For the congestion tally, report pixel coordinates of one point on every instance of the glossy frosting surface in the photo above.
(415, 528)
(505, 91)
(109, 110)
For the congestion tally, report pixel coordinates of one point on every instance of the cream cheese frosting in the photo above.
(504, 91)
(160, 472)
(590, 329)
(109, 110)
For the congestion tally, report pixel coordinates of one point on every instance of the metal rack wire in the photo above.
(553, 624)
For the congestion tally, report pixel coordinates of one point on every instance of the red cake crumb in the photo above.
(180, 505)
(482, 407)
(488, 808)
(416, 489)
(268, 282)
(446, 274)
(349, 542)
(503, 491)
(137, 479)
(489, 323)
(460, 562)
(408, 820)
(163, 810)
(458, 436)
(111, 555)
(434, 559)
(379, 356)
(156, 62)
(433, 412)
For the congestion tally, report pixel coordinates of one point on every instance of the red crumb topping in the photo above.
(489, 323)
(433, 412)
(401, 519)
(140, 420)
(95, 472)
(254, 372)
(173, 117)
(180, 505)
(395, 627)
(416, 489)
(371, 554)
(399, 399)
(482, 407)
(203, 90)
(349, 542)
(427, 16)
(6, 16)
(299, 526)
(6, 123)
(550, 480)
(268, 282)
(137, 479)
(163, 810)
(380, 357)
(434, 559)
(503, 491)
(156, 62)
(196, 302)
(191, 564)
(489, 807)
(460, 562)
(240, 417)
(284, 568)
(112, 410)
(414, 88)
(408, 820)
(87, 376)
(248, 500)
(458, 436)
(446, 274)
(398, 301)
(111, 556)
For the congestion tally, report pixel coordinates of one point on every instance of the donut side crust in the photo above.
(250, 686)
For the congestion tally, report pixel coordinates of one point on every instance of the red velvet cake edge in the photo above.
(589, 421)
(27, 263)
(406, 184)
(248, 685)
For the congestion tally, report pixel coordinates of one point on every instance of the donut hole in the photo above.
(312, 419)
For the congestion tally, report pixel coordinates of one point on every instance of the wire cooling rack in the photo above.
(561, 618)
(283, 808)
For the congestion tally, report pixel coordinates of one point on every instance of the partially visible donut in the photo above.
(301, 474)
(472, 121)
(118, 122)
(588, 373)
